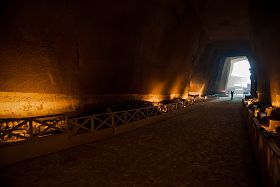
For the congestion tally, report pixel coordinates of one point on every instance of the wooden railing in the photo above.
(266, 149)
(14, 130)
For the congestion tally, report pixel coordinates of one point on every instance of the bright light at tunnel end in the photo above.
(241, 69)
(239, 78)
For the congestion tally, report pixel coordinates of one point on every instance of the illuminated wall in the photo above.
(275, 88)
(196, 88)
(57, 56)
(18, 104)
(88, 49)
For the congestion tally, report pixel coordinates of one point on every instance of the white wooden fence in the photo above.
(22, 129)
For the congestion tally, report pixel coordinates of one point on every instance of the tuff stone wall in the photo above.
(110, 51)
(266, 44)
(90, 48)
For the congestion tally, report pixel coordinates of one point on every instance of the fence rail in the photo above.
(14, 130)
(266, 149)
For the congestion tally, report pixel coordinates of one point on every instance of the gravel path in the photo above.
(207, 146)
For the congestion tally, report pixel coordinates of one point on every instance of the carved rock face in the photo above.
(91, 49)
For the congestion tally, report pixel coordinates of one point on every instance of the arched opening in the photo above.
(239, 75)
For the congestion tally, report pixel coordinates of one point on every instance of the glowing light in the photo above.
(18, 104)
(174, 96)
(241, 69)
(156, 104)
(186, 92)
(272, 126)
(275, 91)
(275, 100)
(153, 98)
(175, 91)
(155, 94)
(157, 88)
(196, 88)
(239, 77)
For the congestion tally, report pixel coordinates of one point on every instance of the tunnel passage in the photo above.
(63, 56)
(238, 79)
(218, 60)
(170, 152)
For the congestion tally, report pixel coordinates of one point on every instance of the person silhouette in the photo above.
(231, 93)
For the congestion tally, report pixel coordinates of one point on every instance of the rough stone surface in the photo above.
(97, 47)
(159, 47)
(206, 146)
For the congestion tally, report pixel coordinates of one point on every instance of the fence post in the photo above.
(125, 117)
(30, 123)
(66, 124)
(137, 115)
(92, 123)
(113, 122)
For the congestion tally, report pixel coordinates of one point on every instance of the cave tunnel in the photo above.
(237, 78)
(62, 57)
(71, 67)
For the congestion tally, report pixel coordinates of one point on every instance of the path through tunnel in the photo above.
(170, 152)
(238, 79)
(73, 72)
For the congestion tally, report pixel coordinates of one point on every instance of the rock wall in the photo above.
(110, 51)
(89, 49)
(266, 44)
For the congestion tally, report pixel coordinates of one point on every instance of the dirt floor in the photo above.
(207, 146)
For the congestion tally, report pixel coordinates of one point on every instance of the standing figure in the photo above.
(231, 93)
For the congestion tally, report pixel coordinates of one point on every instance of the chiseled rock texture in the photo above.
(89, 49)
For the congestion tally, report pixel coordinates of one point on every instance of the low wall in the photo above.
(266, 150)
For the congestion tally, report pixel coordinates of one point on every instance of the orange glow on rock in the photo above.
(174, 96)
(196, 88)
(275, 92)
(186, 92)
(157, 88)
(275, 100)
(18, 104)
(155, 94)
(176, 89)
(153, 97)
